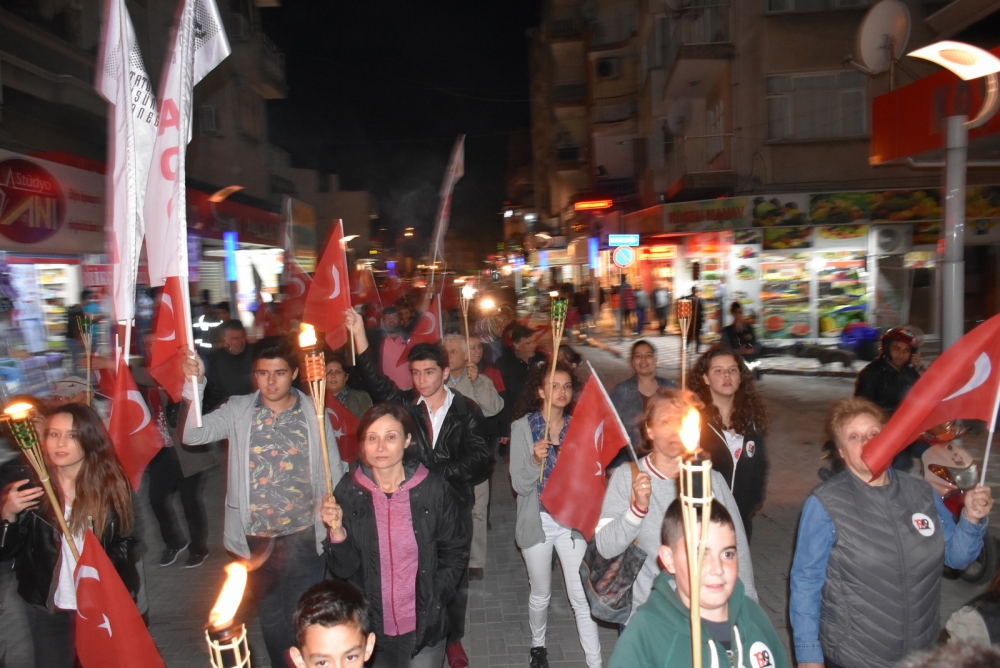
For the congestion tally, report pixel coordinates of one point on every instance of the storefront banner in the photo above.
(717, 214)
(210, 219)
(841, 236)
(899, 206)
(48, 207)
(99, 276)
(779, 210)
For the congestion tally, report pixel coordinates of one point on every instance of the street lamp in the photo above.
(967, 62)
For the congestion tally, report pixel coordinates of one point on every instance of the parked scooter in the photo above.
(951, 471)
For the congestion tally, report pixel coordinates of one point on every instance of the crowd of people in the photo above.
(378, 572)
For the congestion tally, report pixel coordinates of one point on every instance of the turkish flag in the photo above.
(330, 294)
(393, 290)
(170, 338)
(576, 486)
(345, 428)
(962, 384)
(110, 632)
(296, 284)
(427, 330)
(363, 288)
(132, 427)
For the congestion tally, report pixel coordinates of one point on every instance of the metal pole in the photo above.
(953, 262)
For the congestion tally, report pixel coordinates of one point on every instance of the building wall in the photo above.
(355, 207)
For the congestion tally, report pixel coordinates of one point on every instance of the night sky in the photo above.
(379, 90)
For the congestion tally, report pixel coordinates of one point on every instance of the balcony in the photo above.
(618, 188)
(700, 31)
(699, 167)
(273, 84)
(614, 109)
(566, 22)
(569, 93)
(616, 28)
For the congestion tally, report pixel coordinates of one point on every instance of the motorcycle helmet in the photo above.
(902, 333)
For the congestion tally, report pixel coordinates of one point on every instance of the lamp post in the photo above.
(967, 62)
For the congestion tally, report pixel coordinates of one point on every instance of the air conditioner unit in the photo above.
(239, 28)
(890, 239)
(609, 68)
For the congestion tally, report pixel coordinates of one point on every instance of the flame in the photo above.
(468, 292)
(307, 337)
(691, 430)
(230, 596)
(18, 411)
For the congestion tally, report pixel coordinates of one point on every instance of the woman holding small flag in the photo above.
(534, 446)
(95, 493)
(866, 576)
(634, 507)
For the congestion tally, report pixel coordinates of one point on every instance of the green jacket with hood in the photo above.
(659, 635)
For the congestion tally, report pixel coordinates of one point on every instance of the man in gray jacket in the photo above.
(275, 484)
(466, 379)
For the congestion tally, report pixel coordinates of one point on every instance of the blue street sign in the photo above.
(624, 256)
(623, 239)
(230, 244)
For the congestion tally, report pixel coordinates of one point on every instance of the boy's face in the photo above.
(341, 646)
(718, 572)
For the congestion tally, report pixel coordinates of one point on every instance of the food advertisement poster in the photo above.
(842, 236)
(780, 210)
(709, 215)
(784, 295)
(744, 275)
(787, 238)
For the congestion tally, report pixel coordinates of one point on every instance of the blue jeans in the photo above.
(279, 582)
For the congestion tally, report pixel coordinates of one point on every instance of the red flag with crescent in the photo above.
(427, 330)
(132, 426)
(295, 283)
(330, 293)
(363, 288)
(962, 384)
(170, 337)
(575, 488)
(345, 428)
(392, 290)
(110, 632)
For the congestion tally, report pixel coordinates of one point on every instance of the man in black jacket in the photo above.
(451, 443)
(886, 381)
(514, 365)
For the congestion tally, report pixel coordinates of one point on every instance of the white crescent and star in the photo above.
(334, 420)
(980, 374)
(106, 626)
(599, 446)
(86, 572)
(135, 397)
(336, 282)
(302, 286)
(168, 302)
(428, 317)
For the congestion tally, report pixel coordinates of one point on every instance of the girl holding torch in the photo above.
(92, 487)
(532, 459)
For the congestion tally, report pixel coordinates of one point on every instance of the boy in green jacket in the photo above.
(735, 631)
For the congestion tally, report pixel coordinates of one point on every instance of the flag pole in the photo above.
(989, 438)
(186, 300)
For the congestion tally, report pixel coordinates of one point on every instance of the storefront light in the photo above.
(964, 60)
(591, 205)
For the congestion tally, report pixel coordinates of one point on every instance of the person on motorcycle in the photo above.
(886, 381)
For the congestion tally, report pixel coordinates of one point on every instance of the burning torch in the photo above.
(314, 370)
(696, 505)
(227, 636)
(684, 320)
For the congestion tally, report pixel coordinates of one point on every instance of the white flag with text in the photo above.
(122, 81)
(200, 44)
(456, 170)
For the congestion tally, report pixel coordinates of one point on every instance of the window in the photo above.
(779, 6)
(208, 120)
(609, 68)
(816, 106)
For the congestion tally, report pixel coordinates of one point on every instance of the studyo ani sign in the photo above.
(44, 202)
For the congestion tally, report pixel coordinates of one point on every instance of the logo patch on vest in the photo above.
(761, 656)
(751, 448)
(923, 524)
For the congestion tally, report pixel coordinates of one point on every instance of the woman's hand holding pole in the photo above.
(333, 517)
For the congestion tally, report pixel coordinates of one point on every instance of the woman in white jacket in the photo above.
(532, 459)
(624, 520)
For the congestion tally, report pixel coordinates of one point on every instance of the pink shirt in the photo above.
(392, 347)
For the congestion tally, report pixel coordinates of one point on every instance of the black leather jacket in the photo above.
(881, 384)
(34, 543)
(460, 454)
(442, 551)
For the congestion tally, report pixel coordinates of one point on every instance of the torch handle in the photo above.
(318, 388)
(57, 507)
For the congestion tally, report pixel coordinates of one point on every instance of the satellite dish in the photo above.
(883, 35)
(679, 117)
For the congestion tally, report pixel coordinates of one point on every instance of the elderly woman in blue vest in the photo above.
(866, 577)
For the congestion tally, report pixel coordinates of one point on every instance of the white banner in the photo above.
(199, 45)
(456, 170)
(123, 82)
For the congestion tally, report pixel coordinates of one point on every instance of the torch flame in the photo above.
(691, 430)
(18, 411)
(307, 337)
(229, 598)
(468, 292)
